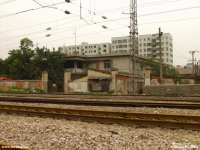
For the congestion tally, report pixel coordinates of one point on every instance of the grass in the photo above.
(22, 90)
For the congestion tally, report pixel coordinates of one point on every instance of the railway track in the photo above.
(102, 102)
(114, 97)
(141, 119)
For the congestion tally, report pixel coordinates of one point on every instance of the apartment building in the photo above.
(148, 46)
(120, 44)
(87, 49)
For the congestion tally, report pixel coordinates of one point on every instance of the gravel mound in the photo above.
(53, 134)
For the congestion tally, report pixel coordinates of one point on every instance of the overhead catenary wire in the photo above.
(28, 10)
(71, 37)
(6, 2)
(72, 27)
(166, 21)
(38, 3)
(68, 18)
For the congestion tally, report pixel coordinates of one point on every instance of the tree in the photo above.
(3, 69)
(51, 61)
(28, 63)
(168, 70)
(19, 60)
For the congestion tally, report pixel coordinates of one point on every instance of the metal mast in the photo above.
(133, 46)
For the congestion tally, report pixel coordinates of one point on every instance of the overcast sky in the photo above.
(29, 18)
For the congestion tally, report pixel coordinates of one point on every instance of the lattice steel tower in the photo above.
(134, 78)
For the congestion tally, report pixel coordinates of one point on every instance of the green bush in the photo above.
(23, 90)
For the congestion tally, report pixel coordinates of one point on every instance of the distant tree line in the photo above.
(27, 63)
(168, 70)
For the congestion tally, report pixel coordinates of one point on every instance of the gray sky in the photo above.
(180, 18)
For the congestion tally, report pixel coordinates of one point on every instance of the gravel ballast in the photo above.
(53, 134)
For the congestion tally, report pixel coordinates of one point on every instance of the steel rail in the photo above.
(118, 97)
(141, 119)
(97, 102)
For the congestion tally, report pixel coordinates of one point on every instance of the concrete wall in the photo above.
(176, 90)
(78, 87)
(5, 85)
(122, 86)
(121, 63)
(147, 76)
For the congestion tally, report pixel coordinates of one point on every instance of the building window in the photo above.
(124, 41)
(104, 50)
(119, 41)
(149, 49)
(148, 44)
(107, 64)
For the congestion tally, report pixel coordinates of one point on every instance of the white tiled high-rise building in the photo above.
(148, 47)
(87, 49)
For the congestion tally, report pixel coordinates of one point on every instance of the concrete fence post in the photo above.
(113, 84)
(147, 76)
(67, 78)
(45, 81)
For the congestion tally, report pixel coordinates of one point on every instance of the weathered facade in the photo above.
(101, 73)
(98, 81)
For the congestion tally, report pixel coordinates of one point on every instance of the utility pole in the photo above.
(193, 52)
(161, 61)
(195, 66)
(75, 40)
(133, 45)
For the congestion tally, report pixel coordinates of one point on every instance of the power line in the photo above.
(173, 20)
(126, 18)
(169, 11)
(6, 2)
(72, 27)
(38, 3)
(87, 16)
(183, 57)
(32, 9)
(82, 35)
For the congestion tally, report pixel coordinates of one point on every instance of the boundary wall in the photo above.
(173, 90)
